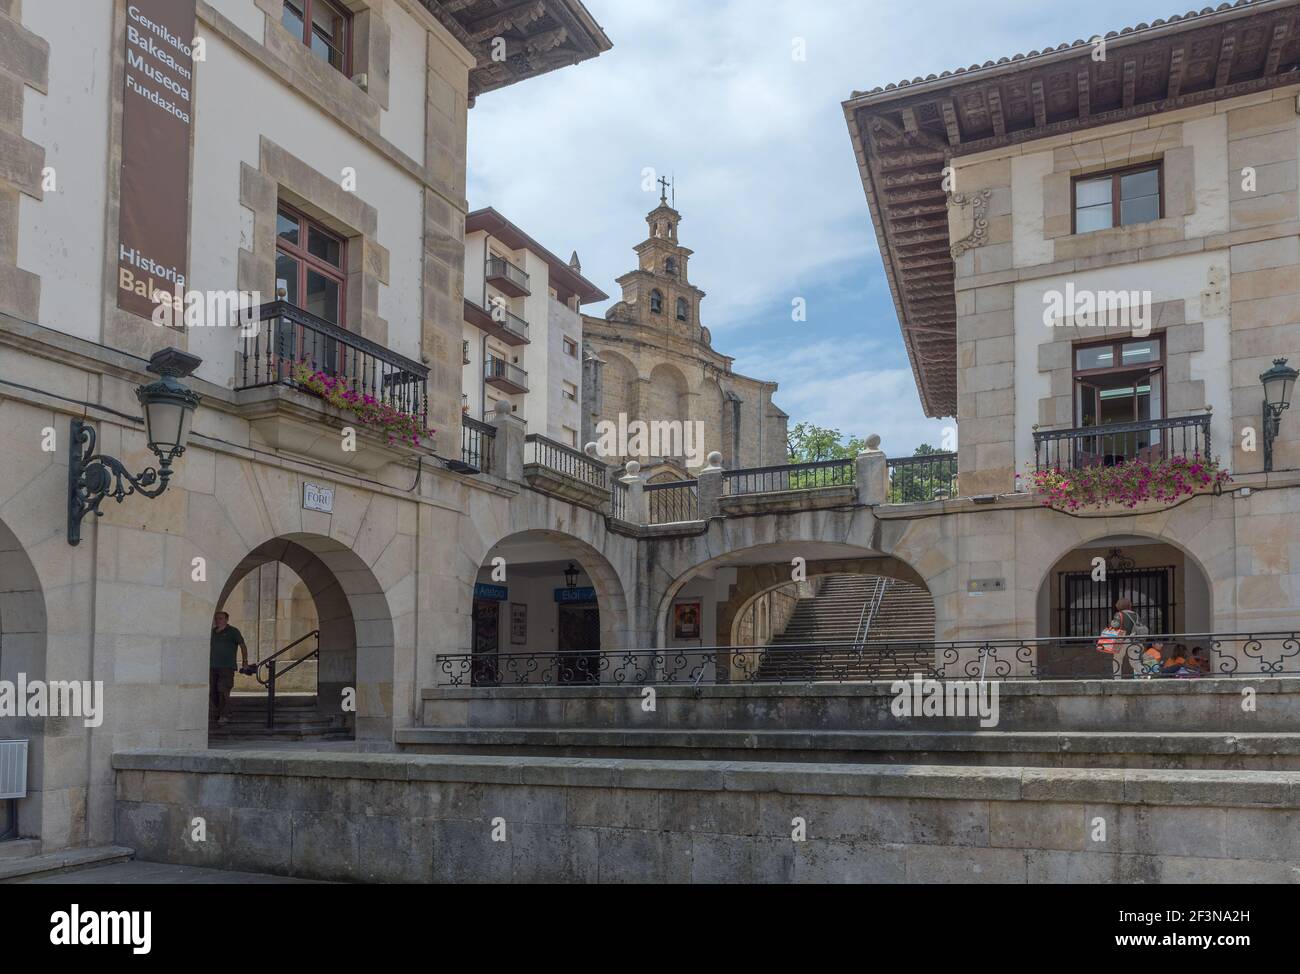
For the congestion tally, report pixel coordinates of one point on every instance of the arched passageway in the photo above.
(22, 652)
(545, 605)
(333, 679)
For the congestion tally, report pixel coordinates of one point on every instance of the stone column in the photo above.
(710, 487)
(872, 474)
(508, 444)
(638, 506)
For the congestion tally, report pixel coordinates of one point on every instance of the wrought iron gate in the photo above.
(1086, 606)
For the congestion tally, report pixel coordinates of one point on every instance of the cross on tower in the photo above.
(663, 189)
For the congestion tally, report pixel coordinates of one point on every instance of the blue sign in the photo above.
(575, 595)
(491, 593)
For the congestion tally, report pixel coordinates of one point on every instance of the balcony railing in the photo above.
(618, 500)
(1115, 443)
(545, 452)
(287, 336)
(796, 476)
(498, 321)
(506, 276)
(504, 375)
(476, 439)
(1225, 655)
(674, 502)
(930, 477)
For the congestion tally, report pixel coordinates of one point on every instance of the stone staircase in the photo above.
(905, 615)
(296, 719)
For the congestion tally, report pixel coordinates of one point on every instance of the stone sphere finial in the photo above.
(632, 467)
(502, 408)
(714, 460)
(873, 442)
(590, 449)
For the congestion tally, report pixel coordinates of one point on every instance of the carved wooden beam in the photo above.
(1040, 102)
(949, 111)
(995, 112)
(516, 18)
(546, 40)
(1177, 65)
(1082, 85)
(1130, 81)
(1225, 60)
(1280, 33)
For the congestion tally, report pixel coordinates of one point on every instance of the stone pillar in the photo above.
(508, 444)
(872, 474)
(638, 506)
(710, 487)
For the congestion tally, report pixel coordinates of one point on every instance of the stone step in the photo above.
(1184, 751)
(57, 862)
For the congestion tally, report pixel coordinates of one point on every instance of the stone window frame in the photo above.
(1115, 175)
(370, 52)
(282, 179)
(349, 32)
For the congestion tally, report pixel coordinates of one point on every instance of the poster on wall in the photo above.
(154, 192)
(518, 624)
(686, 620)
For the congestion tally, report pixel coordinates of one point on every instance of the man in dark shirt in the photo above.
(221, 662)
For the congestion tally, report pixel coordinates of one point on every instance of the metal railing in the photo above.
(794, 476)
(287, 336)
(618, 500)
(672, 502)
(1226, 655)
(272, 674)
(547, 453)
(508, 320)
(502, 269)
(1115, 443)
(929, 477)
(870, 608)
(498, 368)
(476, 439)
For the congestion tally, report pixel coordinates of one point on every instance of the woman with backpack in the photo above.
(1115, 640)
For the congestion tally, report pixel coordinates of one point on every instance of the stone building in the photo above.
(652, 359)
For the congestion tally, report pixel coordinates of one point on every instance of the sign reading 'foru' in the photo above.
(157, 112)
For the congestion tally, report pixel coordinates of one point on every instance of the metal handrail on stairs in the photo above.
(869, 610)
(272, 675)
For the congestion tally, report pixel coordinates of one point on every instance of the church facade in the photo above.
(651, 360)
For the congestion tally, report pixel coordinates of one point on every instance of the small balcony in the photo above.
(507, 278)
(1146, 441)
(502, 375)
(499, 322)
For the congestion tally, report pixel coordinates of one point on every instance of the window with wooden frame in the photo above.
(325, 26)
(1117, 382)
(310, 266)
(1118, 198)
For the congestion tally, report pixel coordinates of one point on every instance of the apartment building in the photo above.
(523, 329)
(1093, 252)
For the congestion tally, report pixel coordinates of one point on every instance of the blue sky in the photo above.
(772, 204)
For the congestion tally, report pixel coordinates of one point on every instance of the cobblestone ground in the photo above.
(155, 873)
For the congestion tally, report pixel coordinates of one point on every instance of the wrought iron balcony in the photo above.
(500, 373)
(476, 443)
(499, 322)
(929, 477)
(287, 336)
(1147, 441)
(506, 277)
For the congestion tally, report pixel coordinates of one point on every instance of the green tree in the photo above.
(809, 443)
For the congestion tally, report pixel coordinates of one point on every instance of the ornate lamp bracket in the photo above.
(93, 477)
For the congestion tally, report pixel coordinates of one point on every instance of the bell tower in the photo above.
(659, 292)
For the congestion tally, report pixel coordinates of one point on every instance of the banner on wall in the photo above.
(154, 188)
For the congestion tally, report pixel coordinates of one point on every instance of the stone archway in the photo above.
(23, 631)
(356, 626)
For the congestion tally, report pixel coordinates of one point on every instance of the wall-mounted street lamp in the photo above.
(168, 408)
(1279, 383)
(571, 576)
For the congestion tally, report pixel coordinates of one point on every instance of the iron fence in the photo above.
(1115, 443)
(929, 477)
(476, 440)
(1224, 655)
(563, 459)
(287, 338)
(793, 476)
(672, 502)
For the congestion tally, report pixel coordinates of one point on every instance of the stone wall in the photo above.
(433, 819)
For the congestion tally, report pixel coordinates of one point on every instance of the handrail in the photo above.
(273, 675)
(283, 309)
(519, 277)
(869, 609)
(1111, 443)
(819, 473)
(564, 459)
